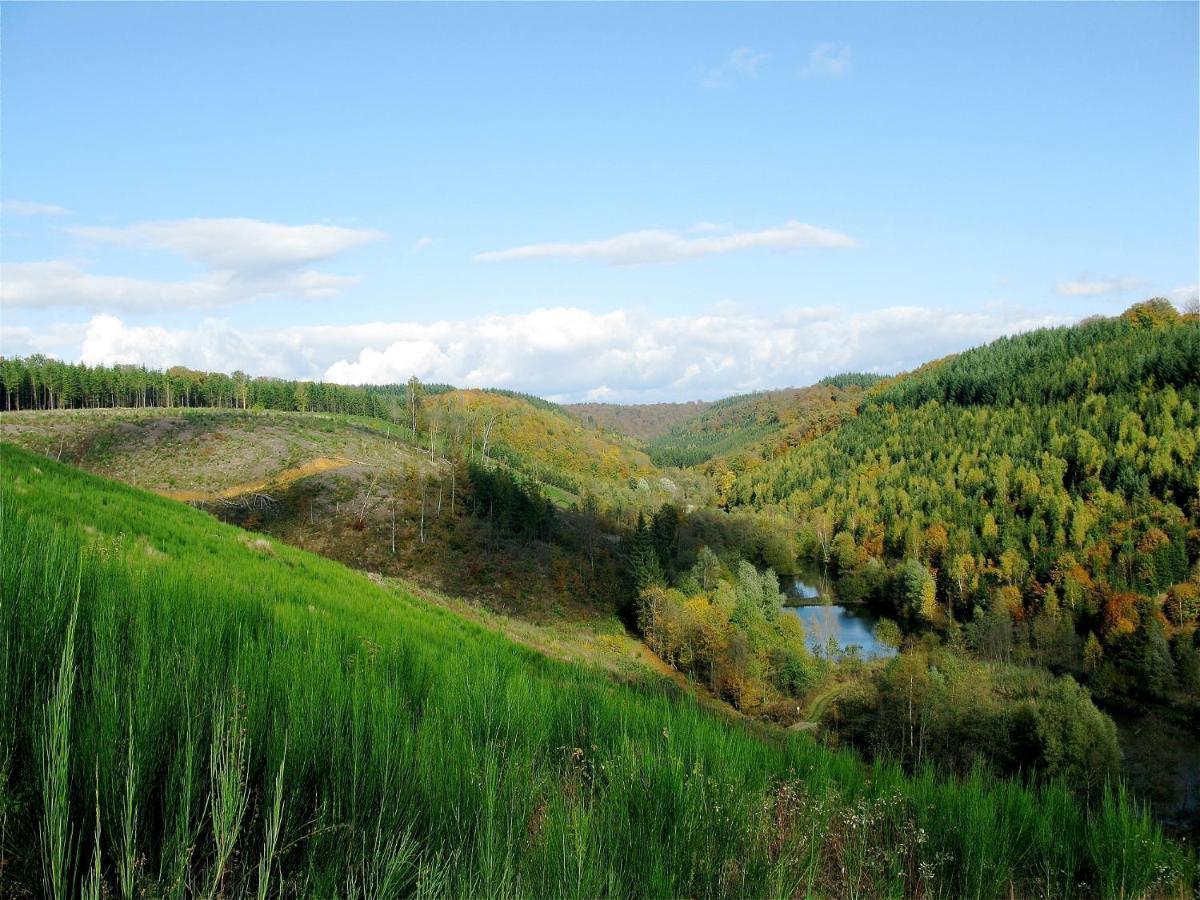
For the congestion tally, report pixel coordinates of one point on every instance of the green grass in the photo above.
(233, 717)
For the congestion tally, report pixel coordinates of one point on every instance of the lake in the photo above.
(822, 617)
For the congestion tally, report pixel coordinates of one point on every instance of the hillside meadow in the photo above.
(189, 709)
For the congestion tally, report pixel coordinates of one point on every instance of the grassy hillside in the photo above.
(531, 435)
(190, 709)
(197, 454)
(352, 488)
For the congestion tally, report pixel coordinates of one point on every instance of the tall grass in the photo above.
(56, 831)
(241, 718)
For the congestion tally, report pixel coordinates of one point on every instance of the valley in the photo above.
(1010, 539)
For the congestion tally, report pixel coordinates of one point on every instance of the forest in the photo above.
(739, 432)
(1044, 485)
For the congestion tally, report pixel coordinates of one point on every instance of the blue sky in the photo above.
(626, 202)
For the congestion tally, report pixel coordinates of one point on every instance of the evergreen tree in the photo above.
(643, 558)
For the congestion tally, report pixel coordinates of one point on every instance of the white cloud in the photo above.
(57, 283)
(1187, 294)
(32, 208)
(238, 245)
(1096, 287)
(421, 244)
(651, 247)
(214, 346)
(742, 63)
(827, 61)
(59, 340)
(572, 354)
(244, 260)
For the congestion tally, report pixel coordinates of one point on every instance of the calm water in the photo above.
(810, 585)
(823, 617)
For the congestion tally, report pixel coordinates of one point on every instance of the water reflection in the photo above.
(813, 592)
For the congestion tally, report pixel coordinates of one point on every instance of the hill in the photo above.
(641, 421)
(189, 708)
(527, 433)
(740, 432)
(546, 442)
(1037, 496)
(358, 490)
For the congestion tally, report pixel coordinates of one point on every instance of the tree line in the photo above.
(40, 383)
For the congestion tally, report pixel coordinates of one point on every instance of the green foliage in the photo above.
(1055, 365)
(1074, 740)
(511, 502)
(682, 449)
(542, 441)
(852, 379)
(644, 561)
(916, 592)
(707, 568)
(531, 399)
(733, 637)
(532, 436)
(664, 532)
(946, 710)
(888, 633)
(1187, 664)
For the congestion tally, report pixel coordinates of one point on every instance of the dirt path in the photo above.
(279, 479)
(819, 702)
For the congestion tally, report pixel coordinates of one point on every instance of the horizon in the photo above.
(634, 204)
(615, 403)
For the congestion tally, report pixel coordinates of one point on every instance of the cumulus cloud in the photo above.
(651, 247)
(742, 63)
(243, 259)
(827, 61)
(571, 354)
(32, 208)
(59, 340)
(421, 244)
(1096, 287)
(212, 346)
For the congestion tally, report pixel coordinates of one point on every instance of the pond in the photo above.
(852, 625)
(811, 584)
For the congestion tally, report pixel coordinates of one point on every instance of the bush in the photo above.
(1076, 741)
(953, 712)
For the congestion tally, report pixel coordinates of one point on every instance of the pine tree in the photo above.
(643, 558)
